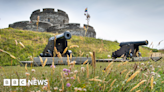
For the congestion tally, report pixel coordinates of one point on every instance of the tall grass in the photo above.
(104, 77)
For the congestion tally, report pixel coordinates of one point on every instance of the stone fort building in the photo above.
(51, 21)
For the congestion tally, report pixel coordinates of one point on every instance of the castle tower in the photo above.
(49, 15)
(51, 21)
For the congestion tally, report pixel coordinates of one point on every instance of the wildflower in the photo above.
(138, 66)
(38, 91)
(151, 65)
(108, 56)
(60, 90)
(75, 71)
(159, 66)
(75, 88)
(44, 88)
(33, 70)
(72, 77)
(27, 84)
(79, 89)
(68, 70)
(68, 84)
(33, 78)
(70, 67)
(82, 69)
(67, 78)
(154, 83)
(142, 63)
(71, 63)
(152, 73)
(52, 66)
(27, 74)
(153, 69)
(48, 91)
(55, 88)
(66, 73)
(84, 90)
(159, 75)
(71, 73)
(64, 69)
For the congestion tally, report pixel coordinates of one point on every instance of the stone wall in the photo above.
(49, 15)
(26, 25)
(74, 29)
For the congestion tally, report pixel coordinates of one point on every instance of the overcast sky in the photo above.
(121, 20)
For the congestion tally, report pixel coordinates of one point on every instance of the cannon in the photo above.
(129, 49)
(61, 44)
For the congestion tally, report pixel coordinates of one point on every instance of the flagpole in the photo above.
(87, 18)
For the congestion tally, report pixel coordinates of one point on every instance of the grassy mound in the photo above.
(35, 42)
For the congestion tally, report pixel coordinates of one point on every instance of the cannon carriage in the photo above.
(60, 42)
(129, 49)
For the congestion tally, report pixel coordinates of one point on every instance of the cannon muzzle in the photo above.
(66, 35)
(135, 43)
(60, 44)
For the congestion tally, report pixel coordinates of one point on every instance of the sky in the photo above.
(121, 20)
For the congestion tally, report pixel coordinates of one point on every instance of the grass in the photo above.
(120, 84)
(35, 42)
(105, 77)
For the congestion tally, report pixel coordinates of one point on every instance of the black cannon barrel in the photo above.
(135, 43)
(66, 35)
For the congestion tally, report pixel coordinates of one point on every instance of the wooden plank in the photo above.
(133, 59)
(63, 60)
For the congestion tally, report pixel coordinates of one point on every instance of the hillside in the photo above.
(35, 42)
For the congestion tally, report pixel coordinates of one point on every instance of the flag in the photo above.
(85, 9)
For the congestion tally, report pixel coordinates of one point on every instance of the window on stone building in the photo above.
(63, 21)
(48, 19)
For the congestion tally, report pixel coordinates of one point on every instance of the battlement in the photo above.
(88, 26)
(60, 11)
(36, 11)
(72, 25)
(48, 10)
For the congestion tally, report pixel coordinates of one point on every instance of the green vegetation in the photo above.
(153, 50)
(119, 71)
(35, 42)
(118, 76)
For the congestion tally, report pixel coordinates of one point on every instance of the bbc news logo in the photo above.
(23, 82)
